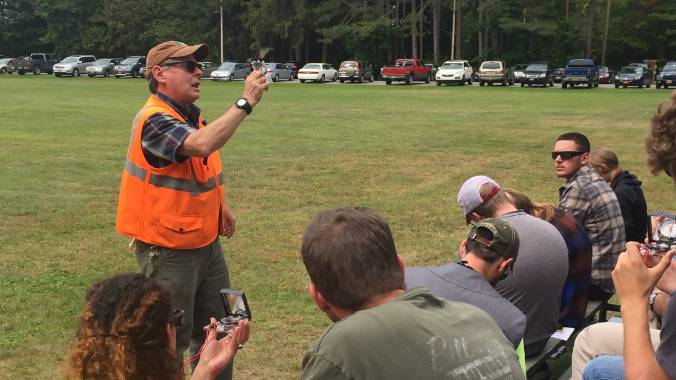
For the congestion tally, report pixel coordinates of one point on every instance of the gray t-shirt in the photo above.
(415, 336)
(666, 352)
(454, 282)
(535, 284)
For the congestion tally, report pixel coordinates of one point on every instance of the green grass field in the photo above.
(402, 150)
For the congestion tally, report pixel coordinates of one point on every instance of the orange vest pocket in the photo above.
(182, 223)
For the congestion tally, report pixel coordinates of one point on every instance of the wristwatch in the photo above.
(243, 104)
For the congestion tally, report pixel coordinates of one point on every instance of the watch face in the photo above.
(241, 102)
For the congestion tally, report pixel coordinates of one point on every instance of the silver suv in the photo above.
(74, 65)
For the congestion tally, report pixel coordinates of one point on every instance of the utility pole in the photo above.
(222, 59)
(605, 34)
(453, 33)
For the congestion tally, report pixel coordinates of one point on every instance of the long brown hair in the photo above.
(661, 142)
(521, 201)
(123, 332)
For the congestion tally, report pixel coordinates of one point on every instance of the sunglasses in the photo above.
(189, 66)
(176, 317)
(566, 155)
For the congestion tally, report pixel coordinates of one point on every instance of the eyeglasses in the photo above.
(566, 155)
(176, 317)
(189, 66)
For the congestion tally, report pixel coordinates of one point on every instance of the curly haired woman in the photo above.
(128, 331)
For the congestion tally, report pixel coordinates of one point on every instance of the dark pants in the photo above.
(195, 278)
(598, 294)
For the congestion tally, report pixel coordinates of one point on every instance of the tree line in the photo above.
(378, 31)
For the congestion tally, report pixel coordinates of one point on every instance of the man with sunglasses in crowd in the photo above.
(171, 198)
(486, 255)
(590, 199)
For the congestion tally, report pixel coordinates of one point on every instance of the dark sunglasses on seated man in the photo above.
(189, 66)
(565, 155)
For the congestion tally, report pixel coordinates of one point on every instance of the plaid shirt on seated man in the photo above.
(593, 203)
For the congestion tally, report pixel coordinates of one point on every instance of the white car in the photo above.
(454, 72)
(318, 72)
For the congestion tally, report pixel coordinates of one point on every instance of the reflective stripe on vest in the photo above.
(174, 183)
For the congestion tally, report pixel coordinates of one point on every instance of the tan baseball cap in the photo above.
(173, 49)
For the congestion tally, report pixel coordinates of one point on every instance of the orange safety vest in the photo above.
(179, 206)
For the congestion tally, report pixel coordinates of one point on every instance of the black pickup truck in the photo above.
(580, 71)
(43, 62)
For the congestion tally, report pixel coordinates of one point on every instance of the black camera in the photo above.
(236, 309)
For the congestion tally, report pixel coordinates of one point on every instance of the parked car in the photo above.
(142, 71)
(207, 68)
(558, 74)
(581, 71)
(406, 70)
(230, 71)
(279, 71)
(355, 71)
(459, 72)
(538, 73)
(633, 76)
(130, 67)
(103, 67)
(604, 75)
(318, 72)
(294, 66)
(518, 71)
(7, 65)
(42, 63)
(495, 72)
(73, 65)
(667, 76)
(23, 65)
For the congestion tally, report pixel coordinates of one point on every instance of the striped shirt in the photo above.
(593, 203)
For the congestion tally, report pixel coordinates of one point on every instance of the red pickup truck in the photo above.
(406, 70)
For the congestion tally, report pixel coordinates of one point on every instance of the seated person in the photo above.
(380, 330)
(575, 295)
(128, 331)
(635, 276)
(539, 273)
(488, 252)
(628, 190)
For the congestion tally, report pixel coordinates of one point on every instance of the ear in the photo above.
(402, 263)
(504, 265)
(463, 248)
(473, 216)
(318, 298)
(158, 73)
(584, 158)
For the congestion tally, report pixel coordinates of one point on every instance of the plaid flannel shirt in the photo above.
(593, 203)
(163, 134)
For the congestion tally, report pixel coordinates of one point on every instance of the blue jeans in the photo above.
(606, 367)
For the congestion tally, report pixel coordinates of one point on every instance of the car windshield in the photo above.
(102, 62)
(4, 60)
(520, 67)
(537, 67)
(603, 69)
(628, 70)
(226, 66)
(349, 64)
(669, 68)
(402, 63)
(129, 61)
(312, 67)
(491, 65)
(451, 65)
(70, 60)
(581, 62)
